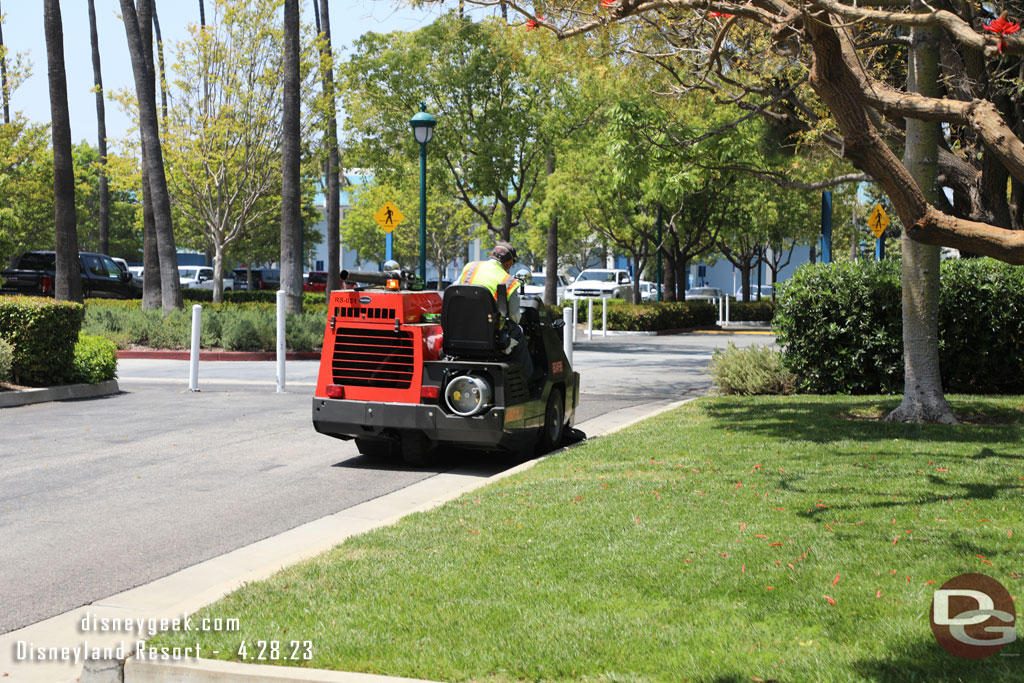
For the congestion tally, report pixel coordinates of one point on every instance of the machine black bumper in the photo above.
(367, 419)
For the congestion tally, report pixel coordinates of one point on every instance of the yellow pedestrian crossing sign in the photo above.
(388, 216)
(878, 221)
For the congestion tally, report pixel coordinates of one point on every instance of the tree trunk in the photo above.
(923, 400)
(745, 280)
(68, 280)
(160, 63)
(218, 273)
(333, 190)
(152, 292)
(137, 26)
(4, 95)
(669, 271)
(101, 130)
(551, 253)
(291, 223)
(681, 276)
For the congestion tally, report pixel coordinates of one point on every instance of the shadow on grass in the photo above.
(820, 422)
(923, 660)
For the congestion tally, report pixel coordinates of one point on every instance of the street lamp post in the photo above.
(423, 129)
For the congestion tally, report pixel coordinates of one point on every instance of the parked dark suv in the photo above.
(35, 274)
(262, 278)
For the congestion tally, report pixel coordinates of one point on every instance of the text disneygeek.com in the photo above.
(140, 627)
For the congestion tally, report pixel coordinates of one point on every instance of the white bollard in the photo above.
(193, 356)
(590, 319)
(726, 311)
(280, 341)
(575, 317)
(604, 317)
(566, 337)
(719, 310)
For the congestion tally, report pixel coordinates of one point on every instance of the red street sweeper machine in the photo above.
(406, 371)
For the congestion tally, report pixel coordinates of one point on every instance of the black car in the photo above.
(35, 274)
(262, 278)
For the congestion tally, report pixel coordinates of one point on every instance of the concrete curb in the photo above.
(67, 392)
(218, 355)
(214, 671)
(189, 589)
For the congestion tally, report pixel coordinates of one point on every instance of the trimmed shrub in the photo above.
(751, 371)
(222, 326)
(6, 360)
(752, 311)
(95, 359)
(653, 316)
(841, 327)
(43, 333)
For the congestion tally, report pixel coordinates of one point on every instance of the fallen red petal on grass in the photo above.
(895, 540)
(835, 580)
(941, 469)
(908, 579)
(725, 554)
(743, 569)
(790, 565)
(986, 562)
(819, 505)
(830, 600)
(1009, 533)
(776, 543)
(768, 588)
(928, 583)
(829, 528)
(687, 560)
(879, 593)
(760, 536)
(743, 525)
(981, 556)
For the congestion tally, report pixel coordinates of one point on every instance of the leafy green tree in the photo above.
(491, 97)
(124, 239)
(26, 185)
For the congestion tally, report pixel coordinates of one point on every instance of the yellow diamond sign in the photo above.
(388, 216)
(878, 221)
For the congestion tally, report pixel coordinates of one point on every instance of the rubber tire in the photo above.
(374, 448)
(418, 450)
(554, 423)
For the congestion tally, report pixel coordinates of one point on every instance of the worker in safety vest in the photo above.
(490, 274)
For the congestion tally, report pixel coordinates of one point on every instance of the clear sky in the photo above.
(23, 33)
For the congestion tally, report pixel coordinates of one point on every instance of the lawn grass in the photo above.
(729, 540)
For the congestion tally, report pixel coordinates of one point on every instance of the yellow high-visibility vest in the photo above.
(488, 274)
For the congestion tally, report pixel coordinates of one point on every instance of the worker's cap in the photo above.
(503, 251)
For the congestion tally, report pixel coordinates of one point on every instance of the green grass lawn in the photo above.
(728, 540)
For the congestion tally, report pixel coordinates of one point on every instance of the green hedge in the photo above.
(653, 316)
(841, 327)
(6, 360)
(95, 359)
(235, 327)
(43, 333)
(752, 311)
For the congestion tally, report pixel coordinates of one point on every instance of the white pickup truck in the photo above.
(600, 283)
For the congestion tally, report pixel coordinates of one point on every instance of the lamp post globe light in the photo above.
(423, 129)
